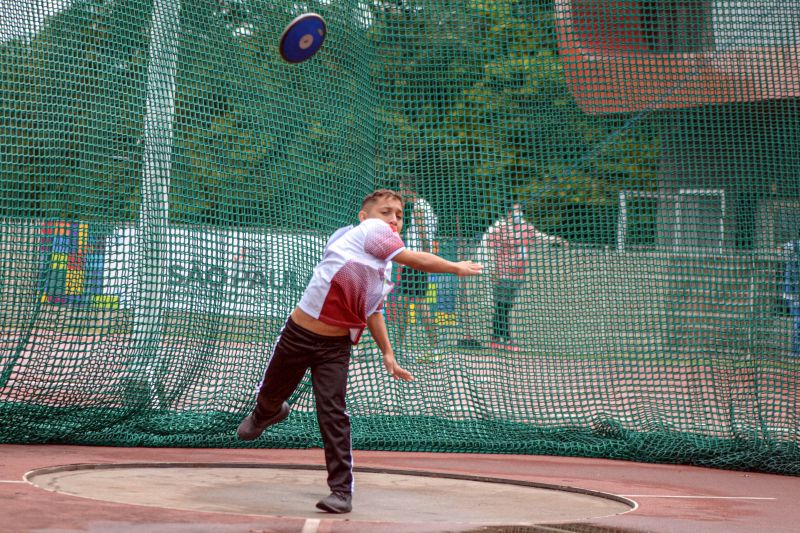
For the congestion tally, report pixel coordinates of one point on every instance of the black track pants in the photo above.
(296, 350)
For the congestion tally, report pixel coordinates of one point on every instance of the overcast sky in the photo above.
(737, 23)
(24, 17)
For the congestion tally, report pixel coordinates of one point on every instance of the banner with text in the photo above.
(215, 271)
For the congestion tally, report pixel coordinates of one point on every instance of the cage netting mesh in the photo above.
(168, 183)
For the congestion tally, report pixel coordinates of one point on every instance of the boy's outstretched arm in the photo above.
(433, 263)
(377, 328)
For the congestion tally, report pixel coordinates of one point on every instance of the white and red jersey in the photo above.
(354, 277)
(512, 242)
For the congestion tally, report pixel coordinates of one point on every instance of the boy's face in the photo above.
(388, 209)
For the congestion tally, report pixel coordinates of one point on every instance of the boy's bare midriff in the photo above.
(306, 321)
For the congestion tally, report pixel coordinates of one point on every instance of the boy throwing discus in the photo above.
(346, 294)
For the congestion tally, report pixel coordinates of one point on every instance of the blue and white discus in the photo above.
(302, 37)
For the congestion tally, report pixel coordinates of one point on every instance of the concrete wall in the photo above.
(607, 302)
(575, 301)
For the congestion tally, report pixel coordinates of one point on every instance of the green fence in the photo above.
(168, 182)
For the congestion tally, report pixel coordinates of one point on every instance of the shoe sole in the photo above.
(279, 417)
(330, 509)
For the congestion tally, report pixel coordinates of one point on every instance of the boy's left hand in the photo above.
(395, 370)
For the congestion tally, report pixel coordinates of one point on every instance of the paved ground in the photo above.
(133, 490)
(382, 497)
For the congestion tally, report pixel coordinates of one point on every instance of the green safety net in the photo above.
(168, 183)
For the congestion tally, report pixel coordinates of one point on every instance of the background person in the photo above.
(511, 240)
(421, 224)
(791, 289)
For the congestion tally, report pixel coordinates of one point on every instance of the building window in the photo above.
(742, 24)
(637, 225)
(689, 221)
(635, 26)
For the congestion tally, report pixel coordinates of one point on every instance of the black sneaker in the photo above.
(337, 502)
(251, 427)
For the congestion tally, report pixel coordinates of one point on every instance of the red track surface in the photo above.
(670, 498)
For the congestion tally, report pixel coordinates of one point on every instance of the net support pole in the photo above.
(154, 212)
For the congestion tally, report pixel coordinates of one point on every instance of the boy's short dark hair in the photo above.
(374, 196)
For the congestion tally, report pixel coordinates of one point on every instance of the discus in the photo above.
(302, 37)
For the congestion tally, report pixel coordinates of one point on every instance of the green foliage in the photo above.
(475, 107)
(72, 107)
(257, 139)
(466, 97)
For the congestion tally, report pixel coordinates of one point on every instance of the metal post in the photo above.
(153, 220)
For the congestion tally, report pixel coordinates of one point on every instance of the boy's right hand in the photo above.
(395, 370)
(468, 268)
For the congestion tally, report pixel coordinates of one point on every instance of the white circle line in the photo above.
(696, 497)
(311, 525)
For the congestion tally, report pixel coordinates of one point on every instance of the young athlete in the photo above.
(420, 223)
(345, 294)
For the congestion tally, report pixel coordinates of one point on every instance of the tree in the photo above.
(72, 111)
(475, 106)
(466, 96)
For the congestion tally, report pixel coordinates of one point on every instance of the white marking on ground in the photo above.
(695, 497)
(310, 526)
